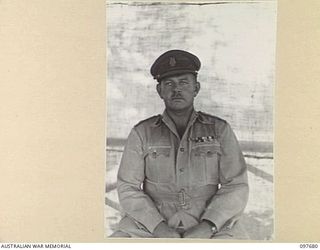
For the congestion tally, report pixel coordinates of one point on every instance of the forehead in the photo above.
(186, 76)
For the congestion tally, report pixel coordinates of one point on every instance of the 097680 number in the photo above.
(308, 245)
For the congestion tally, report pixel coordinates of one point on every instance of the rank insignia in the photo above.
(172, 62)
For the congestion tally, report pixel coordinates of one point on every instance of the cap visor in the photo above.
(176, 72)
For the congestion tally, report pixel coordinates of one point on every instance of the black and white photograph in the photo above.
(190, 119)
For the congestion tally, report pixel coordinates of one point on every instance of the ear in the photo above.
(159, 89)
(196, 88)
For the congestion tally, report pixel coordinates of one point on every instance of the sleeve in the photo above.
(131, 175)
(231, 199)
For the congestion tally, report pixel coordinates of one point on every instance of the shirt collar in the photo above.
(168, 121)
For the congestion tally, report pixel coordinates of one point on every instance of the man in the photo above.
(182, 173)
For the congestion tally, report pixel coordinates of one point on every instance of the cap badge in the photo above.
(172, 62)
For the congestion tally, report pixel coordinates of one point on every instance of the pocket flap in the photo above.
(207, 150)
(155, 151)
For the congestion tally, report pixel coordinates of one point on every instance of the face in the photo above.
(178, 92)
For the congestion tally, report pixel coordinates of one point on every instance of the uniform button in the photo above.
(181, 149)
(209, 153)
(181, 170)
(154, 154)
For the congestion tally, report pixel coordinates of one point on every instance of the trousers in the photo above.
(129, 228)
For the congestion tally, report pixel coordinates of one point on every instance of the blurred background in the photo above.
(235, 42)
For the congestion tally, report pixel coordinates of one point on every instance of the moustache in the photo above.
(177, 96)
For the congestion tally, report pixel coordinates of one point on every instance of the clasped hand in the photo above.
(200, 231)
(164, 231)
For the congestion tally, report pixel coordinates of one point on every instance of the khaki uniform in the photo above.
(161, 177)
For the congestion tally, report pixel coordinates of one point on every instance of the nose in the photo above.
(177, 88)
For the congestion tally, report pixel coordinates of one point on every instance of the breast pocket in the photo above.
(205, 163)
(159, 167)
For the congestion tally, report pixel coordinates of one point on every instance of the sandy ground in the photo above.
(258, 218)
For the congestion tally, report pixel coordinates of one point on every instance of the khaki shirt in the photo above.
(203, 175)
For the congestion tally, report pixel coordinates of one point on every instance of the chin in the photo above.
(178, 108)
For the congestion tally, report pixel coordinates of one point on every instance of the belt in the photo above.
(181, 198)
(158, 192)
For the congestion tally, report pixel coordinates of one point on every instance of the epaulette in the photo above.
(209, 119)
(156, 118)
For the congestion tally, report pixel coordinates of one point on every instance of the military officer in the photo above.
(182, 173)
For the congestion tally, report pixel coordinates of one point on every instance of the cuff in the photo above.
(152, 221)
(214, 217)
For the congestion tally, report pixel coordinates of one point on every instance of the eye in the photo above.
(168, 84)
(184, 82)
